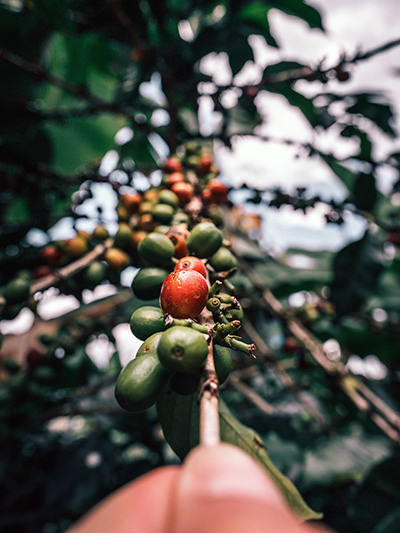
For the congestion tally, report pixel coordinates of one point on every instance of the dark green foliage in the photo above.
(356, 269)
(71, 77)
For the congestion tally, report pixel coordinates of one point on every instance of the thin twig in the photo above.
(71, 269)
(67, 271)
(79, 91)
(126, 23)
(209, 416)
(358, 392)
(309, 73)
(251, 395)
(285, 378)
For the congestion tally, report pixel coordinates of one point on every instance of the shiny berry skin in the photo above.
(250, 92)
(116, 259)
(175, 177)
(172, 164)
(184, 294)
(191, 263)
(42, 270)
(342, 75)
(184, 191)
(205, 162)
(76, 246)
(51, 255)
(218, 190)
(206, 195)
(178, 236)
(131, 201)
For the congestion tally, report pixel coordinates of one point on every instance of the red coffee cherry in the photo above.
(172, 164)
(191, 263)
(42, 270)
(178, 236)
(175, 177)
(51, 255)
(184, 191)
(205, 163)
(206, 195)
(184, 294)
(218, 190)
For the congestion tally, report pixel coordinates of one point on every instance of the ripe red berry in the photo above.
(393, 237)
(218, 190)
(205, 162)
(178, 236)
(206, 195)
(342, 75)
(51, 255)
(290, 345)
(250, 92)
(34, 357)
(184, 294)
(191, 263)
(42, 270)
(131, 202)
(175, 177)
(184, 191)
(172, 164)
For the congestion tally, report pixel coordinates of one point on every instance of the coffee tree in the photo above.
(226, 353)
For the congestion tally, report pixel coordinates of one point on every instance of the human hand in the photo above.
(218, 489)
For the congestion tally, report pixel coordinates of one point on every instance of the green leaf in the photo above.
(183, 436)
(139, 149)
(347, 456)
(365, 141)
(315, 116)
(299, 9)
(364, 195)
(241, 120)
(80, 141)
(255, 15)
(189, 120)
(282, 66)
(373, 107)
(239, 52)
(347, 176)
(356, 270)
(377, 497)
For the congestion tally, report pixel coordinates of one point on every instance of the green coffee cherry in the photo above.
(140, 383)
(147, 320)
(182, 349)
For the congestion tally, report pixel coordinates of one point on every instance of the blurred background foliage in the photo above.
(75, 73)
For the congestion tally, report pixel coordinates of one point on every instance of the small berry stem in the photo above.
(187, 322)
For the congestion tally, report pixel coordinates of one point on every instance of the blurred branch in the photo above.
(251, 395)
(67, 271)
(311, 74)
(358, 392)
(126, 23)
(301, 202)
(362, 56)
(71, 269)
(80, 91)
(271, 361)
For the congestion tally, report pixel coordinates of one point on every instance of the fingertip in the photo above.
(223, 489)
(142, 505)
(227, 470)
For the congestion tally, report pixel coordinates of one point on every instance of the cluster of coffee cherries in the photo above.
(186, 264)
